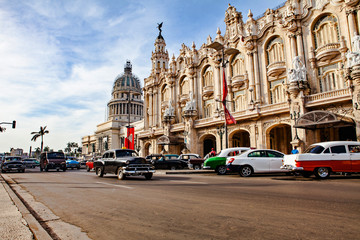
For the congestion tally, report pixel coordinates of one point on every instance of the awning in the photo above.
(169, 140)
(322, 119)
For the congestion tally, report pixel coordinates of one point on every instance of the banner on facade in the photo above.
(129, 140)
(228, 117)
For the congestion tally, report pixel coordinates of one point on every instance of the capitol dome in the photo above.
(127, 81)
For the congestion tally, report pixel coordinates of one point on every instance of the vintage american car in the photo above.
(31, 162)
(218, 163)
(71, 163)
(123, 163)
(11, 163)
(323, 158)
(256, 161)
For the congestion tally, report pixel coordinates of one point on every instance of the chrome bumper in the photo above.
(291, 168)
(206, 167)
(138, 171)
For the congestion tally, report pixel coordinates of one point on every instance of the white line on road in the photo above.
(115, 185)
(187, 182)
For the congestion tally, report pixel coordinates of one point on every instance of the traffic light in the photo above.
(14, 124)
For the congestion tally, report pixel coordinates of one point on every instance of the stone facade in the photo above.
(293, 77)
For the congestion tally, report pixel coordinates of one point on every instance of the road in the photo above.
(200, 206)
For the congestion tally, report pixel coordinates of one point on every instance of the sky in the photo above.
(59, 58)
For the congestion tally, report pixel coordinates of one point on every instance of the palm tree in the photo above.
(41, 134)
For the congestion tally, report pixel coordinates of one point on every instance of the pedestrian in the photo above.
(295, 151)
(212, 153)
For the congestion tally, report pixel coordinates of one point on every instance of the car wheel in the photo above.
(322, 172)
(221, 170)
(3, 171)
(99, 172)
(246, 171)
(197, 167)
(46, 169)
(87, 169)
(64, 169)
(57, 169)
(148, 176)
(78, 168)
(41, 169)
(23, 170)
(172, 168)
(121, 175)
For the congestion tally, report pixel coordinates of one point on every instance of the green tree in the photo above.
(70, 146)
(41, 134)
(46, 149)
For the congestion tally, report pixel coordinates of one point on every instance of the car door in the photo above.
(275, 159)
(340, 158)
(259, 161)
(354, 151)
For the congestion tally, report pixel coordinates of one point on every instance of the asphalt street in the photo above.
(194, 206)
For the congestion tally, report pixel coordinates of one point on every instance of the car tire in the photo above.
(148, 176)
(173, 168)
(99, 172)
(64, 169)
(87, 169)
(246, 171)
(46, 169)
(41, 169)
(322, 172)
(197, 167)
(23, 170)
(221, 170)
(306, 174)
(121, 175)
(3, 171)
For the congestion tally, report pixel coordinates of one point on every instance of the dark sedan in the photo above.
(12, 164)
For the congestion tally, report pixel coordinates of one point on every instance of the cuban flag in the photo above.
(129, 140)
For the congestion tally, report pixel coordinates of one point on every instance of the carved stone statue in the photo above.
(169, 111)
(354, 56)
(159, 27)
(190, 105)
(298, 73)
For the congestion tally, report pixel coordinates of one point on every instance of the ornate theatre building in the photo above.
(293, 77)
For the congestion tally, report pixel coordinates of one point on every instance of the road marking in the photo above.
(186, 182)
(115, 185)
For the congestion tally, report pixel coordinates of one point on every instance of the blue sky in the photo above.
(59, 59)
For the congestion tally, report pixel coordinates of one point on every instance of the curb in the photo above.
(34, 226)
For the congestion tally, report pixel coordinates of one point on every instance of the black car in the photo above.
(31, 162)
(168, 161)
(12, 164)
(123, 163)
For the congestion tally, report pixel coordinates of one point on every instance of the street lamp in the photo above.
(295, 116)
(221, 130)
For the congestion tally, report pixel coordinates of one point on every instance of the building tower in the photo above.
(160, 58)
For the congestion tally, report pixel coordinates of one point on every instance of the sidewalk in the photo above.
(12, 223)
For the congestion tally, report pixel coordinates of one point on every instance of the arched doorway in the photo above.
(209, 142)
(147, 149)
(279, 138)
(240, 139)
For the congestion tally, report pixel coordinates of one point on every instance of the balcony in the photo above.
(326, 97)
(238, 81)
(327, 52)
(276, 69)
(208, 91)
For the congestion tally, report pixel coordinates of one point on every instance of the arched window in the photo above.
(275, 51)
(208, 77)
(184, 86)
(165, 96)
(326, 31)
(238, 65)
(329, 78)
(208, 109)
(240, 100)
(277, 91)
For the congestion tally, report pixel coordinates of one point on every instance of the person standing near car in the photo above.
(295, 151)
(212, 153)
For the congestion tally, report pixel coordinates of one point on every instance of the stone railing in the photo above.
(275, 106)
(327, 51)
(326, 95)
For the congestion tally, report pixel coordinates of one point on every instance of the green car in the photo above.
(218, 163)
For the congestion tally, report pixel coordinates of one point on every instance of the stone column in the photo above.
(150, 108)
(293, 45)
(251, 73)
(217, 82)
(300, 47)
(352, 22)
(257, 78)
(156, 108)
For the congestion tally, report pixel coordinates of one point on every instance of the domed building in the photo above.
(124, 109)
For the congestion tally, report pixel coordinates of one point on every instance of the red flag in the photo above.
(225, 88)
(129, 140)
(228, 118)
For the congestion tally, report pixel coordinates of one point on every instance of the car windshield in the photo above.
(315, 149)
(13, 159)
(55, 155)
(126, 153)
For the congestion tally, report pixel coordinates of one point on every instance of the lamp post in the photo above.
(221, 130)
(295, 116)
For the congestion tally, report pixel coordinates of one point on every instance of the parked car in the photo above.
(123, 162)
(218, 163)
(169, 161)
(31, 162)
(72, 164)
(256, 161)
(11, 163)
(82, 163)
(193, 160)
(89, 165)
(52, 160)
(325, 157)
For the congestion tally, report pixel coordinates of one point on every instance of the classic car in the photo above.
(123, 163)
(52, 160)
(31, 162)
(323, 158)
(11, 163)
(169, 161)
(193, 160)
(256, 161)
(218, 163)
(70, 163)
